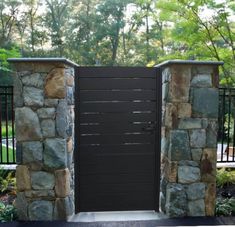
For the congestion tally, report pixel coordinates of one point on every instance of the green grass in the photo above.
(4, 130)
(4, 155)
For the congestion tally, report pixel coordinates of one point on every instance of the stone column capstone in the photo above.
(189, 137)
(44, 122)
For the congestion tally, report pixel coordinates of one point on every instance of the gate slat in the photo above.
(117, 117)
(117, 139)
(117, 149)
(109, 83)
(121, 72)
(100, 95)
(131, 164)
(120, 178)
(117, 107)
(112, 128)
(108, 202)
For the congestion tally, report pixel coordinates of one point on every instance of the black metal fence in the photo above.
(7, 139)
(226, 135)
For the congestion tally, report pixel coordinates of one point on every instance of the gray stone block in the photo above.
(196, 191)
(41, 211)
(19, 158)
(164, 146)
(18, 91)
(162, 202)
(55, 155)
(33, 80)
(188, 163)
(202, 69)
(27, 125)
(70, 95)
(32, 151)
(188, 174)
(50, 194)
(42, 180)
(196, 208)
(62, 119)
(165, 91)
(166, 75)
(176, 200)
(33, 96)
(163, 185)
(198, 138)
(46, 113)
(48, 128)
(211, 134)
(179, 146)
(205, 102)
(21, 204)
(190, 123)
(63, 208)
(196, 154)
(202, 80)
(51, 102)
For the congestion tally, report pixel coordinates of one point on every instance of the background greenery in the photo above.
(119, 32)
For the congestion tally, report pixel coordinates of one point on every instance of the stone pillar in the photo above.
(44, 122)
(189, 137)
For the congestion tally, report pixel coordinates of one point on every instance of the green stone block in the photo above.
(205, 102)
(179, 146)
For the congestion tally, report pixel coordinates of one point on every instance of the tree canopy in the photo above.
(120, 32)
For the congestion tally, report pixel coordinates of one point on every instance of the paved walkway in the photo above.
(197, 221)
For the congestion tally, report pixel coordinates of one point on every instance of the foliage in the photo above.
(7, 212)
(7, 181)
(13, 52)
(225, 177)
(225, 207)
(121, 32)
(229, 126)
(4, 55)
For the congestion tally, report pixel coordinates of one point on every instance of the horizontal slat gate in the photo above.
(116, 121)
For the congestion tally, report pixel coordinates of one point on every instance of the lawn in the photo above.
(4, 131)
(4, 155)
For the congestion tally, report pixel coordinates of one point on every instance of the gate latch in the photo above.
(150, 128)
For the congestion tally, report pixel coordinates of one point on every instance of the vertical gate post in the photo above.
(189, 137)
(44, 122)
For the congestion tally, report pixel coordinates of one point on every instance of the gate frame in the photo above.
(157, 171)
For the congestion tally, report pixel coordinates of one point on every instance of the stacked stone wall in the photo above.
(44, 122)
(189, 139)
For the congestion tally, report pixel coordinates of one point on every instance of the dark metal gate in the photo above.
(118, 128)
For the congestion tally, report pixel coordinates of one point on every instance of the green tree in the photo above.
(195, 34)
(109, 23)
(5, 78)
(57, 17)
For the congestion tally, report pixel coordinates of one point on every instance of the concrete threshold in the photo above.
(113, 216)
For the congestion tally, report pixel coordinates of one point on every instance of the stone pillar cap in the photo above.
(188, 62)
(42, 60)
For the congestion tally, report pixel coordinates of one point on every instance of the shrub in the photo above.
(224, 177)
(7, 212)
(7, 181)
(225, 207)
